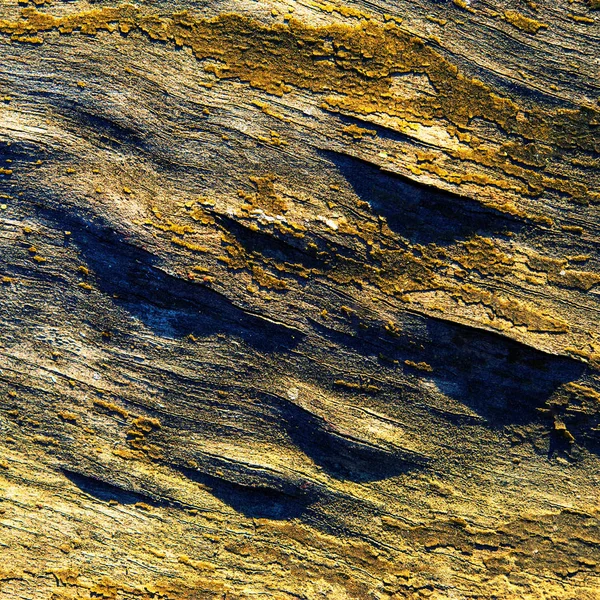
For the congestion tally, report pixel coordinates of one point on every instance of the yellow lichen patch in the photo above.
(189, 245)
(267, 280)
(28, 39)
(346, 310)
(557, 272)
(44, 440)
(268, 110)
(483, 254)
(357, 387)
(576, 229)
(357, 132)
(441, 488)
(107, 589)
(462, 4)
(146, 424)
(266, 198)
(421, 366)
(68, 416)
(127, 454)
(523, 23)
(440, 22)
(583, 280)
(66, 576)
(236, 255)
(384, 45)
(392, 328)
(579, 258)
(111, 407)
(363, 60)
(111, 589)
(140, 428)
(157, 553)
(274, 139)
(514, 311)
(200, 565)
(582, 19)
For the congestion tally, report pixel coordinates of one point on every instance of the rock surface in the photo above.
(299, 299)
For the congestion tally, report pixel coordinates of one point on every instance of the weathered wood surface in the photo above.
(299, 299)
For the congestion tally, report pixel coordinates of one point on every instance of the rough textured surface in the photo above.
(299, 299)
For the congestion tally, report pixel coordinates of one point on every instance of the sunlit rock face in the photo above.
(299, 300)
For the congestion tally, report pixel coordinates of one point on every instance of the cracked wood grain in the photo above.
(299, 300)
